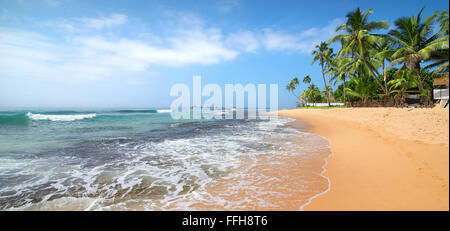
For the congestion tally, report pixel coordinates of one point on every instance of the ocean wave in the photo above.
(144, 111)
(164, 111)
(137, 111)
(14, 119)
(60, 117)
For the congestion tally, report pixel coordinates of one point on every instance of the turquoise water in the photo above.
(28, 132)
(117, 159)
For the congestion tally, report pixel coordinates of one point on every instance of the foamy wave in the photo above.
(60, 117)
(164, 111)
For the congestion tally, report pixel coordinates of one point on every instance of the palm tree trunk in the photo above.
(419, 77)
(330, 90)
(374, 76)
(345, 98)
(385, 84)
(325, 83)
(296, 96)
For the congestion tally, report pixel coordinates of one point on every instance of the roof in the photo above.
(440, 81)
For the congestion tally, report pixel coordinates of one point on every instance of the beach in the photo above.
(382, 158)
(319, 159)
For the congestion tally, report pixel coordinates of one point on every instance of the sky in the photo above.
(128, 54)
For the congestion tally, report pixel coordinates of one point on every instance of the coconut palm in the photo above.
(292, 86)
(323, 54)
(440, 63)
(443, 22)
(441, 56)
(362, 87)
(307, 79)
(383, 53)
(341, 69)
(414, 43)
(357, 41)
(312, 93)
(404, 81)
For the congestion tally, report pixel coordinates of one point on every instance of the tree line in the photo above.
(370, 65)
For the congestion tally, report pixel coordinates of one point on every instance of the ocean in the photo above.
(145, 160)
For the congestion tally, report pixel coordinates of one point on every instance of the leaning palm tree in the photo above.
(292, 86)
(357, 41)
(323, 54)
(414, 43)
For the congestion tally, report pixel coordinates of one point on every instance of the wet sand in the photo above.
(383, 158)
(269, 182)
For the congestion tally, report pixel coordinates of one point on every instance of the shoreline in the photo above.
(398, 170)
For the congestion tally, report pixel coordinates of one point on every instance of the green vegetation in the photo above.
(324, 54)
(413, 51)
(319, 107)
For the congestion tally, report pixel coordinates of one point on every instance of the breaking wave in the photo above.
(60, 117)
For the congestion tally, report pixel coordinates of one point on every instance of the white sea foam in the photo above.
(164, 111)
(60, 117)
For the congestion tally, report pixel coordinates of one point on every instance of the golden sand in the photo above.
(383, 158)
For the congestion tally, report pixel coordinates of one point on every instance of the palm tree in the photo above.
(307, 79)
(312, 93)
(323, 54)
(340, 70)
(357, 41)
(441, 56)
(440, 63)
(292, 86)
(362, 87)
(402, 83)
(443, 22)
(384, 45)
(414, 43)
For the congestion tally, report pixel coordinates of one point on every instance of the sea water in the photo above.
(145, 160)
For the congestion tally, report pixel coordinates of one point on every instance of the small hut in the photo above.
(440, 91)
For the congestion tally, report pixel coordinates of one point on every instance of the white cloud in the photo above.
(97, 56)
(85, 24)
(276, 40)
(244, 40)
(303, 42)
(104, 22)
(24, 44)
(92, 50)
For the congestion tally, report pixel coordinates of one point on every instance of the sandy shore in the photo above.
(383, 158)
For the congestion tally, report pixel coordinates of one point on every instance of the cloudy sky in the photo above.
(74, 53)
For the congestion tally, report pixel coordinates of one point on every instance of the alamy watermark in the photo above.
(228, 104)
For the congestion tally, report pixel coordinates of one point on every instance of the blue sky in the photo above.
(74, 53)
